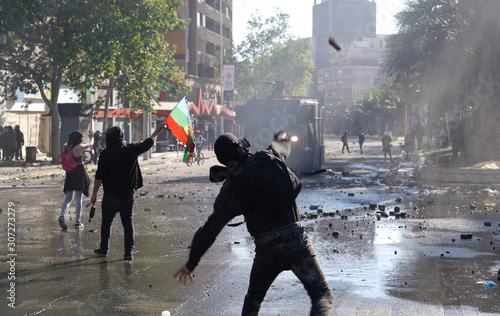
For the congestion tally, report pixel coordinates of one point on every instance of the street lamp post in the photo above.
(221, 65)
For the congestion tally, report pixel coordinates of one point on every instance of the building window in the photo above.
(210, 48)
(201, 19)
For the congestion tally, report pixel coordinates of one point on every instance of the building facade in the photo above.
(198, 44)
(352, 70)
(345, 20)
(198, 49)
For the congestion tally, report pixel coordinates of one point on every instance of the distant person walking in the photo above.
(119, 172)
(361, 140)
(99, 145)
(77, 181)
(19, 143)
(10, 142)
(345, 142)
(409, 143)
(386, 146)
(210, 137)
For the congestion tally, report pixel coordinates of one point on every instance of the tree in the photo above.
(270, 54)
(443, 57)
(127, 49)
(40, 45)
(81, 42)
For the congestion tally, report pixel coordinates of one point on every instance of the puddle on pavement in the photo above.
(421, 258)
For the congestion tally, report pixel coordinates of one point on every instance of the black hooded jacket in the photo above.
(246, 193)
(118, 167)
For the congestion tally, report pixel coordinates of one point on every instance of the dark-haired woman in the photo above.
(77, 181)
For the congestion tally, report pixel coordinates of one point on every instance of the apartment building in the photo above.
(352, 70)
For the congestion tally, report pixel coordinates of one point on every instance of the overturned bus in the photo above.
(301, 118)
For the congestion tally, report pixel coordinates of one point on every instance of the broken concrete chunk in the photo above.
(466, 236)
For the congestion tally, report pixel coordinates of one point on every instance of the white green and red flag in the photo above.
(179, 122)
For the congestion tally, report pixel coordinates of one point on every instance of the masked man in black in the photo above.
(263, 189)
(118, 171)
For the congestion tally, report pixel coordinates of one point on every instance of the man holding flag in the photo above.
(118, 171)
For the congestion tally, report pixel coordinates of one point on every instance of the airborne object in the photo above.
(333, 43)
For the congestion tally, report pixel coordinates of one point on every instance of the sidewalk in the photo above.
(15, 171)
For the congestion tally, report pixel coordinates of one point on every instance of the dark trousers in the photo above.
(19, 152)
(290, 252)
(210, 143)
(345, 145)
(112, 204)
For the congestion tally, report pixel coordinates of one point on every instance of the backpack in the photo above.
(68, 161)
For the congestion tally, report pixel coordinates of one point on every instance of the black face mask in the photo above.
(228, 148)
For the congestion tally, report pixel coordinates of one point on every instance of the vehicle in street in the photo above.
(300, 117)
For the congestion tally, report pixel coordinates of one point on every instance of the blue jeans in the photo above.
(112, 204)
(290, 252)
(78, 201)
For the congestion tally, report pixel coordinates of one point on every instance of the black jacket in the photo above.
(119, 169)
(245, 194)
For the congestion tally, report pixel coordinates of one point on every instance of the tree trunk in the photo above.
(106, 105)
(55, 134)
(52, 104)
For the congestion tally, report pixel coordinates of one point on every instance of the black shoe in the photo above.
(100, 253)
(62, 222)
(128, 257)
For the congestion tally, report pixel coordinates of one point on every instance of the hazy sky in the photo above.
(300, 12)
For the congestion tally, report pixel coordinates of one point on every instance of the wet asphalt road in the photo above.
(388, 266)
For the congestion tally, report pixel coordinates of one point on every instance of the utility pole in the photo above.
(221, 66)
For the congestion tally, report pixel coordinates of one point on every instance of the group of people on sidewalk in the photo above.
(11, 143)
(258, 186)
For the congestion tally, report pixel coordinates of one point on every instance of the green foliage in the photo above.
(444, 57)
(83, 42)
(126, 47)
(442, 52)
(376, 108)
(271, 54)
(439, 156)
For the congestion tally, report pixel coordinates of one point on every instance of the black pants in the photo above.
(19, 152)
(345, 145)
(112, 204)
(290, 252)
